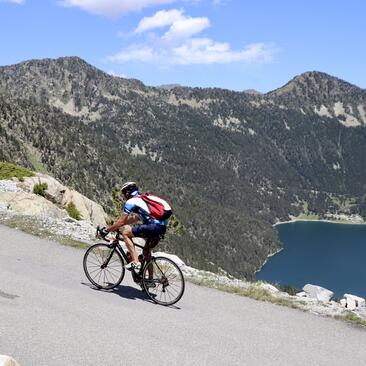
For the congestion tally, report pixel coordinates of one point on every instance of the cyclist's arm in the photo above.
(123, 220)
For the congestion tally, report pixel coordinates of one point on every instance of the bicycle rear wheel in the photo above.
(103, 266)
(163, 281)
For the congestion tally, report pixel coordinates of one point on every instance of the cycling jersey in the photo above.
(138, 206)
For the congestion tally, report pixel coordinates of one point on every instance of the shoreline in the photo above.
(268, 257)
(343, 222)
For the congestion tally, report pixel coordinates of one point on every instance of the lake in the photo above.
(325, 254)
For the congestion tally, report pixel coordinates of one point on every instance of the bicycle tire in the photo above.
(103, 278)
(168, 281)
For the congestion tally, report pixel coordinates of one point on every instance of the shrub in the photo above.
(40, 189)
(291, 290)
(73, 211)
(10, 170)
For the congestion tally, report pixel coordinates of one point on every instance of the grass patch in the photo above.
(353, 318)
(26, 224)
(29, 226)
(40, 189)
(291, 290)
(73, 211)
(73, 243)
(10, 170)
(254, 292)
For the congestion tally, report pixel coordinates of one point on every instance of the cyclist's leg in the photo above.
(127, 237)
(152, 233)
(151, 243)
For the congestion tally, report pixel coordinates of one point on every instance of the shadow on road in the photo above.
(128, 292)
(132, 293)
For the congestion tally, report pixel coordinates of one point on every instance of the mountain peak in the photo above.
(311, 84)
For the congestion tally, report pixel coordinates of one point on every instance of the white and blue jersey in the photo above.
(138, 206)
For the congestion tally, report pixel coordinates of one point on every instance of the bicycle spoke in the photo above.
(97, 273)
(94, 270)
(94, 264)
(110, 273)
(97, 258)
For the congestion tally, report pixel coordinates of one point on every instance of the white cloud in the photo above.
(13, 1)
(160, 19)
(206, 51)
(181, 26)
(195, 51)
(185, 28)
(112, 7)
(180, 45)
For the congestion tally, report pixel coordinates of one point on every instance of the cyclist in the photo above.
(150, 228)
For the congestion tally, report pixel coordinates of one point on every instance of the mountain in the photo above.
(231, 163)
(325, 95)
(169, 86)
(252, 91)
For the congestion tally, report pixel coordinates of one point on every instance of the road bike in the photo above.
(160, 277)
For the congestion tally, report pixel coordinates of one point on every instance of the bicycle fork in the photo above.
(106, 262)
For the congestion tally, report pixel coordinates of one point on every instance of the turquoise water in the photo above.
(325, 254)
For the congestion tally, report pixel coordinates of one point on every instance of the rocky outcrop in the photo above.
(62, 196)
(351, 302)
(31, 204)
(318, 292)
(46, 215)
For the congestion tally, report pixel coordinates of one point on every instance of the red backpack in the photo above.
(159, 208)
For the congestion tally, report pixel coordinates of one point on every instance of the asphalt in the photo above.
(50, 315)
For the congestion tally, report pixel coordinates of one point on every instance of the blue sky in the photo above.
(233, 44)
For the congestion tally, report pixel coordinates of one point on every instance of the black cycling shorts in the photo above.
(153, 231)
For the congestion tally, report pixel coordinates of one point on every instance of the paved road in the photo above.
(50, 316)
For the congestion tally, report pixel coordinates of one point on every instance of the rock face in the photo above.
(62, 196)
(317, 292)
(31, 204)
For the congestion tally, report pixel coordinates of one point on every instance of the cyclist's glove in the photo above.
(103, 232)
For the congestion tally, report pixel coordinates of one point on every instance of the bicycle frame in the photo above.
(115, 245)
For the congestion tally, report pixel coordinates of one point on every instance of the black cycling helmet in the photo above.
(128, 188)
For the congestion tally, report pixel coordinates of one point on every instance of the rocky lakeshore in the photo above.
(331, 218)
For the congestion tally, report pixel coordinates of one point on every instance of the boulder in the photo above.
(353, 299)
(7, 361)
(89, 210)
(55, 190)
(62, 196)
(31, 204)
(351, 304)
(173, 257)
(317, 292)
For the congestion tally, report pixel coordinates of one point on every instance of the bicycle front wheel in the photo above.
(163, 281)
(103, 266)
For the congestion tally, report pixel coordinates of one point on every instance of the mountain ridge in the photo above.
(74, 61)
